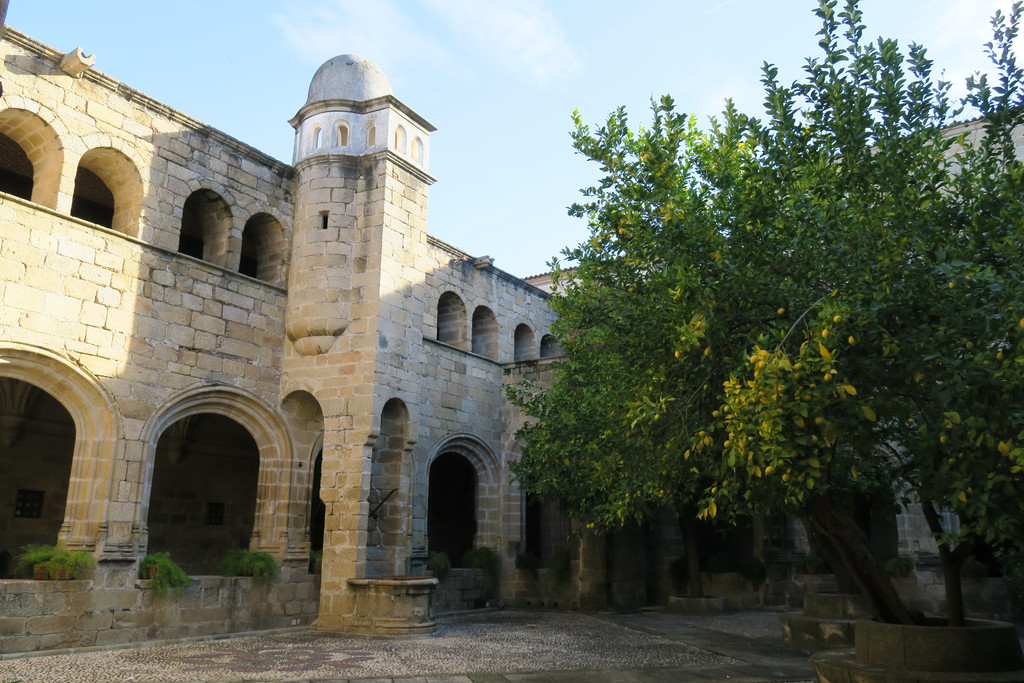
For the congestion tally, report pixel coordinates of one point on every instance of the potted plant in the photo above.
(439, 564)
(259, 565)
(899, 566)
(163, 573)
(53, 563)
(529, 563)
(484, 559)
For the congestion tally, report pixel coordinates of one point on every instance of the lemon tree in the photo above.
(773, 310)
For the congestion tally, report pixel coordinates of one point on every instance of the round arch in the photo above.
(120, 176)
(97, 422)
(266, 428)
(42, 145)
(487, 470)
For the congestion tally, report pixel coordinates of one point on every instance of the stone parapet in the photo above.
(48, 615)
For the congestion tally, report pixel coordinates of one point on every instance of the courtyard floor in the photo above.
(490, 646)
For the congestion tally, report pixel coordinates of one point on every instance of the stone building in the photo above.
(204, 349)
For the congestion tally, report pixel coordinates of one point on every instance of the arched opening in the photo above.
(27, 135)
(317, 507)
(417, 151)
(485, 333)
(318, 135)
(37, 443)
(108, 190)
(203, 498)
(400, 140)
(15, 169)
(385, 524)
(371, 135)
(262, 247)
(93, 201)
(451, 506)
(549, 347)
(524, 348)
(341, 135)
(205, 219)
(451, 320)
(546, 530)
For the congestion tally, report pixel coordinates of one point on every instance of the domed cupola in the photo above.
(348, 77)
(351, 111)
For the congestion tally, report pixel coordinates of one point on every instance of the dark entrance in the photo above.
(317, 509)
(451, 506)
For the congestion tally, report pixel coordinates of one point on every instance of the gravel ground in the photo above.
(509, 641)
(749, 624)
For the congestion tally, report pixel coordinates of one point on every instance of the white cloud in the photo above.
(520, 34)
(381, 31)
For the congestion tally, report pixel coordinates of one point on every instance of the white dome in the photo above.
(348, 77)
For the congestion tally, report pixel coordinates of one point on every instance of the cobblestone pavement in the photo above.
(483, 647)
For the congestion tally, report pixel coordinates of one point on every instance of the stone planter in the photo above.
(827, 620)
(684, 604)
(893, 653)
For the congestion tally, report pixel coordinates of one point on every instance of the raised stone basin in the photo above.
(893, 653)
(393, 605)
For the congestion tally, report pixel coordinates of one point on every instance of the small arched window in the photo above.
(549, 347)
(400, 139)
(16, 170)
(318, 137)
(371, 135)
(341, 135)
(263, 245)
(523, 343)
(205, 224)
(31, 157)
(451, 320)
(108, 190)
(417, 151)
(485, 333)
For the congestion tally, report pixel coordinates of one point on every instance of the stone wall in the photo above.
(115, 608)
(463, 589)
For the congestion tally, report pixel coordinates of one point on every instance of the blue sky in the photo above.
(499, 78)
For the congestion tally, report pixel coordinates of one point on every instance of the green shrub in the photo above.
(483, 558)
(528, 562)
(753, 570)
(562, 564)
(259, 565)
(814, 564)
(163, 573)
(899, 566)
(440, 564)
(974, 569)
(53, 562)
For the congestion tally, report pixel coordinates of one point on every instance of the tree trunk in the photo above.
(845, 581)
(952, 562)
(852, 545)
(689, 528)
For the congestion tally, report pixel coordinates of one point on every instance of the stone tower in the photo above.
(360, 205)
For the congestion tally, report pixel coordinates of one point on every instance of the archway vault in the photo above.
(267, 428)
(97, 435)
